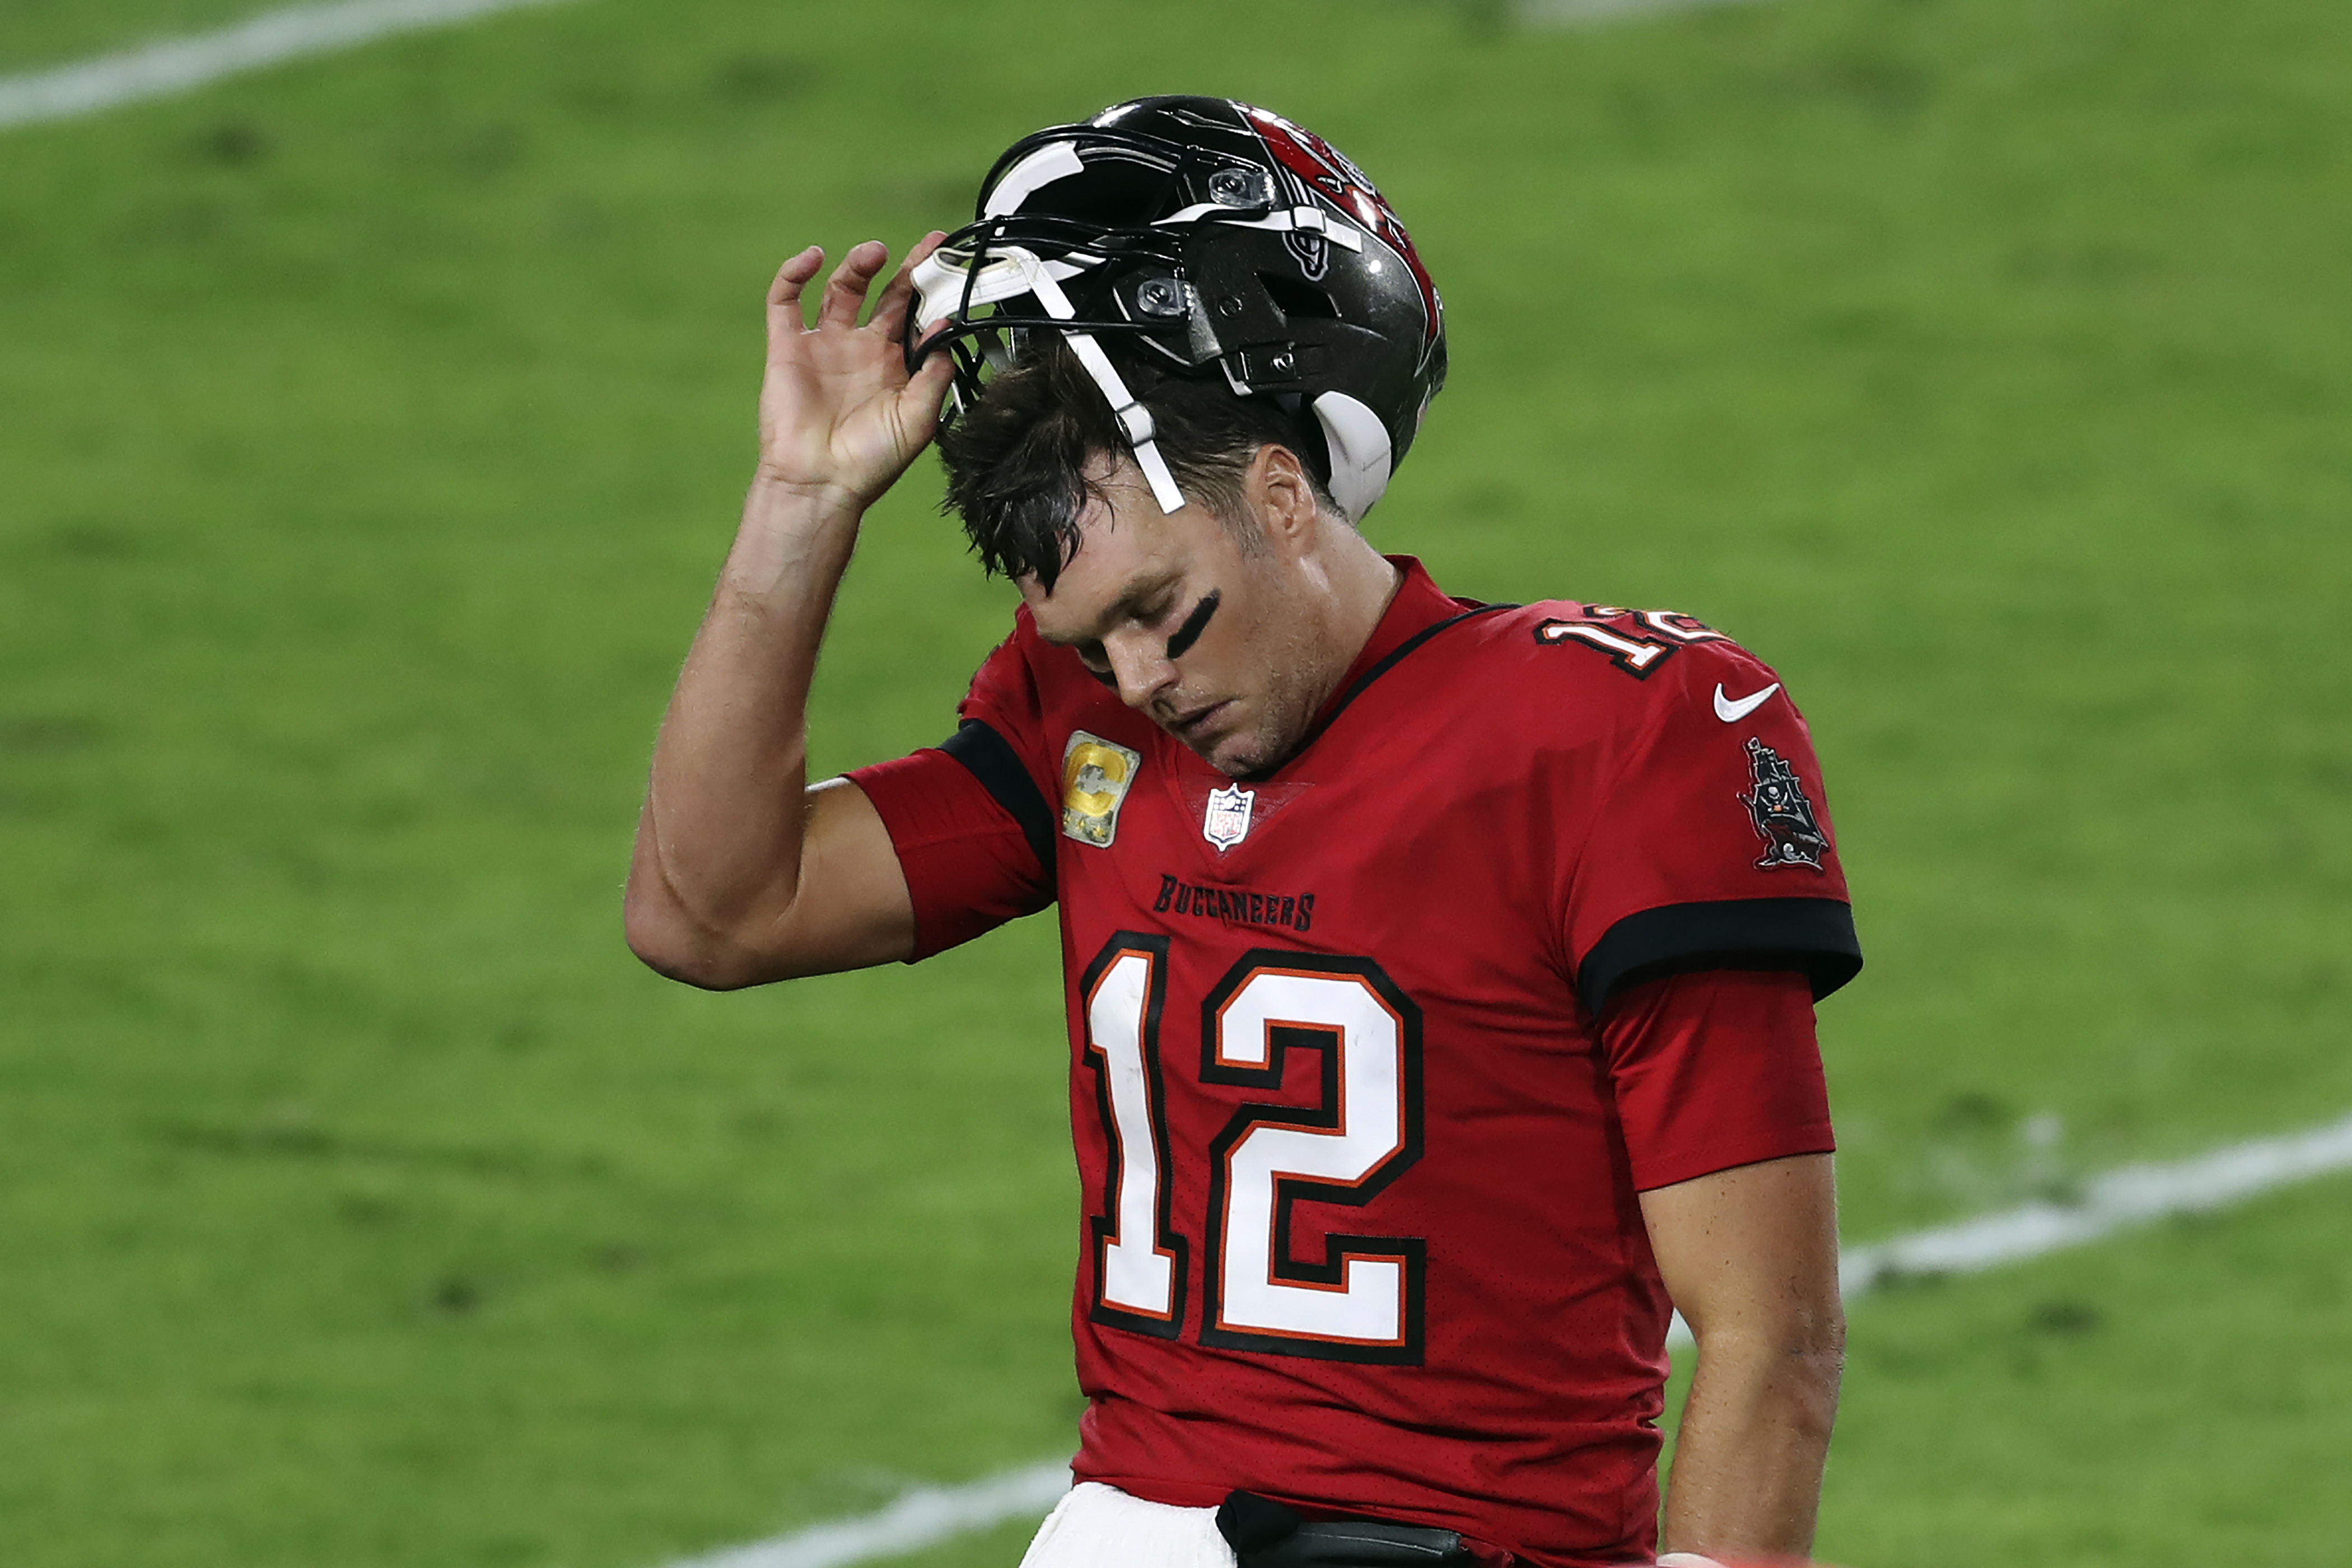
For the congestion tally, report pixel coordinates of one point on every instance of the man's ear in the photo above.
(1283, 496)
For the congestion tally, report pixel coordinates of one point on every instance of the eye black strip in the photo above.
(1194, 624)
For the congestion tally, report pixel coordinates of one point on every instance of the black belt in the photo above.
(1264, 1533)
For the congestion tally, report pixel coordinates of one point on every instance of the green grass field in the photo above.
(370, 430)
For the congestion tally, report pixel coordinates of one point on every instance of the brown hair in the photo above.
(1016, 461)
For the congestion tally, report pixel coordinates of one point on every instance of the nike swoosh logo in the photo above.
(1732, 711)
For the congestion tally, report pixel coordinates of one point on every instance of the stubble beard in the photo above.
(1286, 706)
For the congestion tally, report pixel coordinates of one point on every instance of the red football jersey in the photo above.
(1359, 1131)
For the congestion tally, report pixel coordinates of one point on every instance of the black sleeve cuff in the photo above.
(990, 758)
(1813, 937)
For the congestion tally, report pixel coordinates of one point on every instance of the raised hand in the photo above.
(839, 418)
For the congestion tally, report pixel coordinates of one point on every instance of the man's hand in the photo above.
(839, 418)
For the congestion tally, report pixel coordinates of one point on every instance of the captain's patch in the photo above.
(1096, 775)
(1782, 815)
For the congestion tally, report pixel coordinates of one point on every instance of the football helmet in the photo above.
(1196, 237)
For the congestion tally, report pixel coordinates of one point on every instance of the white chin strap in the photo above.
(1012, 271)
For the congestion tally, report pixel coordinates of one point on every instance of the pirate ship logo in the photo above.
(1783, 817)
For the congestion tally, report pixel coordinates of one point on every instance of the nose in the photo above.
(1141, 666)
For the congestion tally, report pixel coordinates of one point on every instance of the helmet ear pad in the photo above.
(1285, 317)
(1362, 458)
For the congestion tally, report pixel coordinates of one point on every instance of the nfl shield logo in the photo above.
(1228, 819)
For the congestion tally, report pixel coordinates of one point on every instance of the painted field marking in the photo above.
(180, 65)
(922, 1516)
(1580, 13)
(2119, 1199)
(2126, 1196)
(172, 65)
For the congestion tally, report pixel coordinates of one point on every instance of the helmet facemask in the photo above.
(994, 291)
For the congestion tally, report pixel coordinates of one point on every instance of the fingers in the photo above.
(926, 389)
(844, 298)
(792, 277)
(891, 310)
(844, 291)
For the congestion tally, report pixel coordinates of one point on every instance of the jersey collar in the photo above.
(1419, 611)
(1418, 605)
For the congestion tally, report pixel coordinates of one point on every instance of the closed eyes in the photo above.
(1096, 658)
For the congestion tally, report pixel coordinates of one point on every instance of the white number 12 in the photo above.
(1361, 1302)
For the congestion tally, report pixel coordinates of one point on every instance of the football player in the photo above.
(1439, 974)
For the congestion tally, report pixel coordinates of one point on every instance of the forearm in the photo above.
(719, 852)
(740, 873)
(1749, 1254)
(1754, 1437)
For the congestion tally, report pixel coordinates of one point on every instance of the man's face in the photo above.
(1197, 630)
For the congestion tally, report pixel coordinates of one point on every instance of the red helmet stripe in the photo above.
(1322, 166)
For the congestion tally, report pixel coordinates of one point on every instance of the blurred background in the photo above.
(371, 430)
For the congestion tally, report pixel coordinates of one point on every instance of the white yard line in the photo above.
(1580, 12)
(924, 1515)
(178, 65)
(2131, 1196)
(181, 65)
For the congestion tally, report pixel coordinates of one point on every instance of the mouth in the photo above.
(1192, 727)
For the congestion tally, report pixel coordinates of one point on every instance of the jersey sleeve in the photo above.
(1715, 1070)
(969, 817)
(1710, 846)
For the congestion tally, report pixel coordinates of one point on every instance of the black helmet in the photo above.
(1198, 235)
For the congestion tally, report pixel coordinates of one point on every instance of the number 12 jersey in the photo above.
(1370, 1056)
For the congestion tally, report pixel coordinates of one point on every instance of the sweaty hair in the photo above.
(1017, 460)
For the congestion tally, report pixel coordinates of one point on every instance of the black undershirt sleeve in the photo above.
(1813, 937)
(991, 759)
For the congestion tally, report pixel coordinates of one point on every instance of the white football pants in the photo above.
(1101, 1527)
